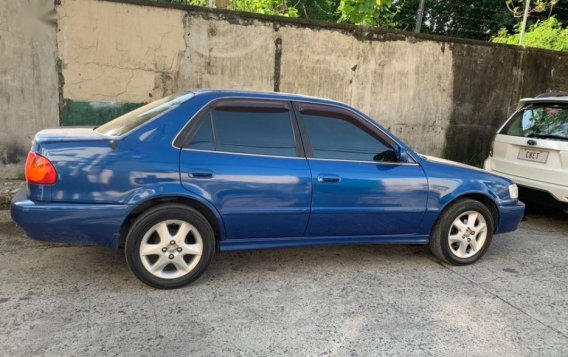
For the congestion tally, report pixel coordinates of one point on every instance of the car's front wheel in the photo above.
(463, 232)
(169, 246)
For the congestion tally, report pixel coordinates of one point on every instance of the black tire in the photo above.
(439, 237)
(150, 219)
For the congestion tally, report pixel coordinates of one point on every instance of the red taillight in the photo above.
(40, 170)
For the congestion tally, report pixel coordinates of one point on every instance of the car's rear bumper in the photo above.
(76, 223)
(558, 192)
(540, 197)
(509, 217)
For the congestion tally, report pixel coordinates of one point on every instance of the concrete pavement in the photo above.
(337, 301)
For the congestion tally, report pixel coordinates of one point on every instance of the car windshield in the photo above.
(546, 121)
(131, 120)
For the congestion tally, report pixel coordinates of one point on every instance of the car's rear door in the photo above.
(245, 157)
(359, 189)
(533, 144)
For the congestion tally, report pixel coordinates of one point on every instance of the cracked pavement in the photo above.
(344, 300)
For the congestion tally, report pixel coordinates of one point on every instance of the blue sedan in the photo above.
(204, 171)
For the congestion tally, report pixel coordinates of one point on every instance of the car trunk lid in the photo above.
(74, 153)
(68, 135)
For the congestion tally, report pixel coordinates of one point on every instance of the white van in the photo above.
(531, 149)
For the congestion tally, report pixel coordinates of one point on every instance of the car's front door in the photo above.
(244, 157)
(359, 186)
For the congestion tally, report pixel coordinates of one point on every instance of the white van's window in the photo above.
(127, 122)
(545, 121)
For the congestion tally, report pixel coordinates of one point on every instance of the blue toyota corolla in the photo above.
(200, 171)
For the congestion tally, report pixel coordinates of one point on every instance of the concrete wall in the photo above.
(118, 53)
(403, 84)
(488, 82)
(442, 96)
(29, 95)
(115, 51)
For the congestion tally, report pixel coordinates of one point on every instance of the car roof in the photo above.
(558, 97)
(265, 95)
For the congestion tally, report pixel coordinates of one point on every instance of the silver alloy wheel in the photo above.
(468, 234)
(171, 249)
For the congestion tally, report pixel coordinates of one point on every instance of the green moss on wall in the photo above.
(94, 113)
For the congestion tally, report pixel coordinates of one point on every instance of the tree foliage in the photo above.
(475, 19)
(547, 34)
(323, 10)
(517, 7)
(265, 7)
(359, 12)
(479, 19)
(366, 12)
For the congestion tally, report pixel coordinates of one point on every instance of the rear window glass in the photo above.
(131, 120)
(545, 121)
(265, 133)
(261, 129)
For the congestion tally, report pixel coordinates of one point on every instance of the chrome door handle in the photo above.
(201, 173)
(328, 178)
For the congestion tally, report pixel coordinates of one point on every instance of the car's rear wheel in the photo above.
(169, 246)
(463, 232)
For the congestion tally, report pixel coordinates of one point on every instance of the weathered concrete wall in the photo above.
(403, 84)
(488, 82)
(118, 52)
(29, 95)
(225, 54)
(442, 96)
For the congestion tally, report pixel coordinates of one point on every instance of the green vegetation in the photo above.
(547, 34)
(517, 7)
(367, 12)
(265, 7)
(358, 12)
(486, 20)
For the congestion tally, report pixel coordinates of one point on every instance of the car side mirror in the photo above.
(403, 155)
(386, 156)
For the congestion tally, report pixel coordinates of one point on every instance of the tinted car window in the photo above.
(203, 137)
(547, 121)
(335, 136)
(131, 120)
(248, 130)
